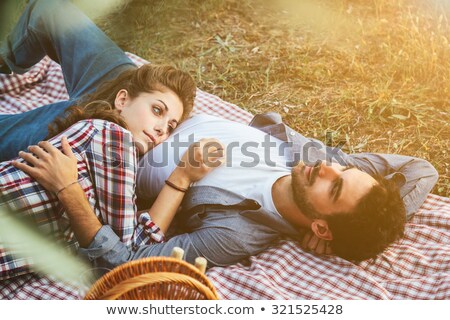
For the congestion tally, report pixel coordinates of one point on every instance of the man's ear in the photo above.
(321, 229)
(121, 99)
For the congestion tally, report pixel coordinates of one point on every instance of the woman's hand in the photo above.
(200, 159)
(50, 167)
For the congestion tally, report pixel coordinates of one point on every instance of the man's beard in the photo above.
(300, 195)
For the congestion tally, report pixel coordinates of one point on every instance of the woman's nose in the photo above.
(158, 130)
(161, 127)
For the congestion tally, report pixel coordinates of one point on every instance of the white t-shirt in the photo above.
(255, 160)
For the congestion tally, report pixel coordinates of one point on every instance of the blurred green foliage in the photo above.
(9, 13)
(24, 241)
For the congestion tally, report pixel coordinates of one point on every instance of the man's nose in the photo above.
(328, 171)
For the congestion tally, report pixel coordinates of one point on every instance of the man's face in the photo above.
(327, 189)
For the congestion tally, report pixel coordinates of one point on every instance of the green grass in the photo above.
(9, 13)
(374, 73)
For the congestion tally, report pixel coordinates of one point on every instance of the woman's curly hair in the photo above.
(148, 78)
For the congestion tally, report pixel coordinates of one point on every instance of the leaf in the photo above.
(220, 41)
(48, 257)
(399, 117)
(361, 145)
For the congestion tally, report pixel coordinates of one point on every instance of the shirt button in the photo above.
(292, 133)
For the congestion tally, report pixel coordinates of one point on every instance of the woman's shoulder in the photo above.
(98, 125)
(96, 137)
(86, 132)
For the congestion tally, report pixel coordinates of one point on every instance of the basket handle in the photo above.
(155, 277)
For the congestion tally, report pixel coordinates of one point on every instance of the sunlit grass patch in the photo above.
(376, 74)
(373, 74)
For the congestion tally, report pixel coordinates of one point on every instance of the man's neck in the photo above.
(283, 199)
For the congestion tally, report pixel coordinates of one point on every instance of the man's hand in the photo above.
(316, 245)
(55, 171)
(50, 167)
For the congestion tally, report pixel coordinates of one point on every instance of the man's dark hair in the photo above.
(377, 221)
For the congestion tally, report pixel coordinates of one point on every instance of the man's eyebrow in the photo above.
(167, 109)
(340, 183)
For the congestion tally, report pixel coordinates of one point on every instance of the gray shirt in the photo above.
(224, 227)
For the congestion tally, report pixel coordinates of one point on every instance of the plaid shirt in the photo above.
(106, 172)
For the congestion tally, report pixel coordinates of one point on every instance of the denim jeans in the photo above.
(87, 56)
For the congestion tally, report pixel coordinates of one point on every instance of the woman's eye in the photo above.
(157, 110)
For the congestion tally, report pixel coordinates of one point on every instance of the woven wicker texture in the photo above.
(156, 278)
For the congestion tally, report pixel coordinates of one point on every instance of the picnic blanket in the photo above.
(415, 267)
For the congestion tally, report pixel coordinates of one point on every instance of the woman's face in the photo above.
(150, 117)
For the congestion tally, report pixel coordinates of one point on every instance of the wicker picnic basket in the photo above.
(156, 278)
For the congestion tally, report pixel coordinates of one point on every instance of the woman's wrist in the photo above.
(180, 178)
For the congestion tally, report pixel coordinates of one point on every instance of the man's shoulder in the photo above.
(266, 119)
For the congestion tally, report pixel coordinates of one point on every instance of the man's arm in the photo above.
(85, 223)
(218, 239)
(222, 237)
(83, 220)
(57, 172)
(101, 245)
(416, 177)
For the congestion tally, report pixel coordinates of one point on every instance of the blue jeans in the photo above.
(87, 56)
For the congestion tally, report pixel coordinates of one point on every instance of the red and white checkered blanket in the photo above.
(416, 267)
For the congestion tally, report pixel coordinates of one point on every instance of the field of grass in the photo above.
(373, 73)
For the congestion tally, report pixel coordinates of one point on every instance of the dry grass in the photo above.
(374, 73)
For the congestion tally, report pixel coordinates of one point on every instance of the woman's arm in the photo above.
(57, 172)
(200, 159)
